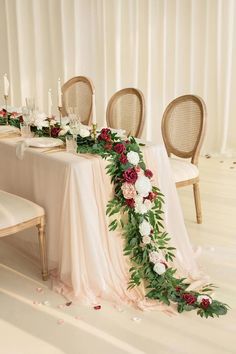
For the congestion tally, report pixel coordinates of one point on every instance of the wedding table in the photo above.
(86, 259)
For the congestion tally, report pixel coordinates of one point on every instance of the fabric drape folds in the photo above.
(166, 48)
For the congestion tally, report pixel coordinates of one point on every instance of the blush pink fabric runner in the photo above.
(86, 259)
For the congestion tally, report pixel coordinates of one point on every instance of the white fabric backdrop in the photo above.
(164, 47)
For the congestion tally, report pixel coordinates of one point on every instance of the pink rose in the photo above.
(130, 175)
(108, 146)
(128, 190)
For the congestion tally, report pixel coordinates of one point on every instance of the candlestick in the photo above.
(6, 85)
(94, 118)
(59, 93)
(6, 98)
(94, 131)
(60, 109)
(49, 103)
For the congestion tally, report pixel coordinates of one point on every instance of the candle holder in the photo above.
(60, 115)
(6, 99)
(94, 131)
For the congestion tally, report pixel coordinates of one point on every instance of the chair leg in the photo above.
(197, 201)
(42, 248)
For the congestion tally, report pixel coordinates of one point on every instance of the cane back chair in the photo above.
(17, 214)
(183, 131)
(126, 110)
(77, 93)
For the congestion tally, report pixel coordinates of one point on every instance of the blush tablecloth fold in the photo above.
(87, 260)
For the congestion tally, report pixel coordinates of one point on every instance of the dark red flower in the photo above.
(123, 159)
(130, 202)
(119, 148)
(130, 175)
(178, 289)
(148, 173)
(3, 112)
(205, 303)
(151, 196)
(21, 120)
(55, 131)
(189, 298)
(127, 142)
(97, 307)
(105, 135)
(108, 146)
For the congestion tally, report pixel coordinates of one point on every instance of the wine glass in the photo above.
(26, 115)
(30, 104)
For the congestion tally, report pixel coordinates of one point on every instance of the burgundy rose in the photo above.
(205, 303)
(148, 173)
(105, 135)
(130, 202)
(178, 289)
(123, 159)
(55, 131)
(21, 120)
(108, 146)
(3, 112)
(127, 142)
(130, 175)
(119, 148)
(151, 196)
(189, 298)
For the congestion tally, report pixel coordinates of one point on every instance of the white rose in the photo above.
(159, 268)
(140, 208)
(203, 297)
(146, 240)
(145, 228)
(148, 204)
(138, 200)
(143, 186)
(84, 133)
(154, 257)
(133, 157)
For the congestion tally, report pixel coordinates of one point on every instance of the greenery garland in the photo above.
(140, 218)
(138, 206)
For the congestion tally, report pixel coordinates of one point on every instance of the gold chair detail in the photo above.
(77, 93)
(17, 214)
(126, 110)
(183, 131)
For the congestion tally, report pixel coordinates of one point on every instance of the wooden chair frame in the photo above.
(194, 154)
(39, 222)
(70, 83)
(112, 102)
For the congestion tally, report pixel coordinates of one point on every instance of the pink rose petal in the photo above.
(60, 321)
(61, 306)
(39, 290)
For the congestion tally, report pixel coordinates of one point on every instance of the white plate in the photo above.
(44, 142)
(8, 129)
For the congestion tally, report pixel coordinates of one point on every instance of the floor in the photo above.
(34, 320)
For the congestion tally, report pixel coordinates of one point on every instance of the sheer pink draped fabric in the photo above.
(86, 259)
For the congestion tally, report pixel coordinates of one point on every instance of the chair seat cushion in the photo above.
(15, 210)
(183, 170)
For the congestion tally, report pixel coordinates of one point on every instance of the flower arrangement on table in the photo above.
(139, 207)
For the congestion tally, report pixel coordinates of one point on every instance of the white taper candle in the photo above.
(6, 84)
(49, 103)
(94, 117)
(59, 93)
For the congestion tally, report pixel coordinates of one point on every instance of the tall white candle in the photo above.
(6, 85)
(94, 118)
(59, 93)
(49, 103)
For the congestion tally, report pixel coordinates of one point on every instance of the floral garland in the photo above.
(139, 207)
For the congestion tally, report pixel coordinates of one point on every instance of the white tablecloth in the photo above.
(87, 259)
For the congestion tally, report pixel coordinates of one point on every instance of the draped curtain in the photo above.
(166, 48)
